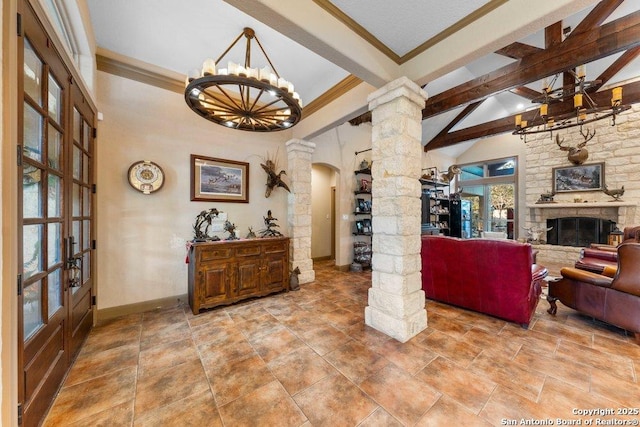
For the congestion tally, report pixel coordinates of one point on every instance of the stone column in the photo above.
(396, 299)
(299, 155)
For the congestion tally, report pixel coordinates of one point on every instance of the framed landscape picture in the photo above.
(219, 180)
(578, 178)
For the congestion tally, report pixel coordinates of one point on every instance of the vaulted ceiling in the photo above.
(481, 61)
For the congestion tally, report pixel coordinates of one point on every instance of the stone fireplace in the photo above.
(618, 147)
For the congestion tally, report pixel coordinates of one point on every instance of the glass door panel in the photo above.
(473, 200)
(501, 208)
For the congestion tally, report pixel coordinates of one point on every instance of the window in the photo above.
(489, 197)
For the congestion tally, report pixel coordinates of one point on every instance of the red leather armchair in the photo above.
(495, 277)
(613, 300)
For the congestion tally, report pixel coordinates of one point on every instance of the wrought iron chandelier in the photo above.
(242, 97)
(584, 110)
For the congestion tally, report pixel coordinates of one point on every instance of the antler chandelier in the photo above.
(242, 97)
(584, 109)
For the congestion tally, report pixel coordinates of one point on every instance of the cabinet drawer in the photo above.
(214, 253)
(274, 248)
(248, 251)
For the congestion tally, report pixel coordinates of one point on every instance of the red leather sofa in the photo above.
(495, 277)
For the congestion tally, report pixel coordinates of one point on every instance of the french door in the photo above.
(55, 183)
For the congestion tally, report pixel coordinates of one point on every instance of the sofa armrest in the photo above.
(538, 272)
(599, 254)
(603, 247)
(586, 277)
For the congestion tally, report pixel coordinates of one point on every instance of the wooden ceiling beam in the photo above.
(596, 17)
(618, 65)
(463, 114)
(608, 39)
(526, 92)
(553, 35)
(518, 50)
(631, 95)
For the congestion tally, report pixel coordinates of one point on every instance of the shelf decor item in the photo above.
(219, 180)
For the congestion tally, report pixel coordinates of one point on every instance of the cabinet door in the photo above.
(275, 272)
(248, 276)
(214, 283)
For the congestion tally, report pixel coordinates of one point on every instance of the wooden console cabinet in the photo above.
(225, 272)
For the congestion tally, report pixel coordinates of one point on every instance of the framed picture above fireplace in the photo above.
(578, 178)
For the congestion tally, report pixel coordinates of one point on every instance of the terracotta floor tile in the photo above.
(559, 400)
(77, 402)
(166, 356)
(356, 361)
(120, 322)
(619, 346)
(458, 351)
(218, 317)
(231, 380)
(195, 410)
(568, 333)
(482, 321)
(335, 401)
(259, 326)
(119, 415)
(380, 417)
(447, 325)
(269, 405)
(325, 339)
(167, 334)
(366, 334)
(300, 369)
(404, 397)
(616, 389)
(341, 318)
(88, 366)
(557, 367)
(492, 343)
(467, 388)
(245, 311)
(213, 334)
(505, 407)
(226, 349)
(165, 386)
(105, 338)
(619, 366)
(409, 356)
(272, 345)
(509, 374)
(447, 409)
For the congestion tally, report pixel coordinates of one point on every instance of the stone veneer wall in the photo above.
(617, 146)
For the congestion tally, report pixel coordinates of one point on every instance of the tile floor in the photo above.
(306, 359)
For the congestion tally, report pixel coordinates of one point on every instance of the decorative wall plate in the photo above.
(146, 176)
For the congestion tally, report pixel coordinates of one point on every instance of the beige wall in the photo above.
(322, 178)
(141, 238)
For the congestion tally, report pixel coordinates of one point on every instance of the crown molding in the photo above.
(124, 66)
(335, 92)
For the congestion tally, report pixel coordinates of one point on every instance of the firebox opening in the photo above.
(578, 231)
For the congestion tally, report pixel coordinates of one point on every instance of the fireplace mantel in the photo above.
(585, 205)
(618, 212)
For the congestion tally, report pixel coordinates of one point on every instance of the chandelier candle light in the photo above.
(243, 97)
(584, 109)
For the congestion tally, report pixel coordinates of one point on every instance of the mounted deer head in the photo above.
(578, 154)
